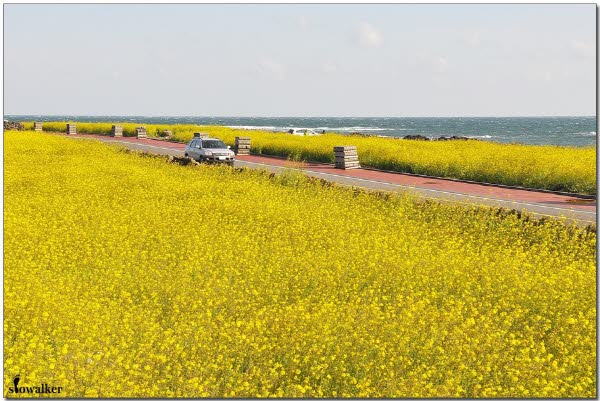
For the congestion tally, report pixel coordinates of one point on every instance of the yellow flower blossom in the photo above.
(210, 281)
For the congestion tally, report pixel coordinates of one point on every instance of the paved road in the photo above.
(572, 209)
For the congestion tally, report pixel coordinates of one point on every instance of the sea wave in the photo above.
(334, 129)
(586, 133)
(259, 127)
(343, 129)
(480, 136)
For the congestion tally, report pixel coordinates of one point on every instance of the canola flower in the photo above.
(126, 276)
(558, 168)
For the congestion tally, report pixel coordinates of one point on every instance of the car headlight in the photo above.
(207, 153)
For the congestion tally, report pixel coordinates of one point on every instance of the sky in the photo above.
(392, 60)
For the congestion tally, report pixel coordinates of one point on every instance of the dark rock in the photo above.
(455, 138)
(416, 137)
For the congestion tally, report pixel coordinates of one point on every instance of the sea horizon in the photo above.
(534, 130)
(290, 116)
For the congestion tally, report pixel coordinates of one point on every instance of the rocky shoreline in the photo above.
(420, 137)
(441, 138)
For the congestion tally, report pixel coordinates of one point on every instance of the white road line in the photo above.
(139, 144)
(487, 205)
(426, 189)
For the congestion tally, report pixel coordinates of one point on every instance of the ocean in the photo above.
(563, 131)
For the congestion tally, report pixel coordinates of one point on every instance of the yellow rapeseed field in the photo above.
(558, 168)
(126, 276)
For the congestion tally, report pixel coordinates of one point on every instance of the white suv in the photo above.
(209, 150)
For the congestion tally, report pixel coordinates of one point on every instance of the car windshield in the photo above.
(213, 144)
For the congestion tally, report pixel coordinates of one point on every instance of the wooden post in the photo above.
(346, 157)
(242, 145)
(141, 132)
(71, 129)
(37, 126)
(117, 130)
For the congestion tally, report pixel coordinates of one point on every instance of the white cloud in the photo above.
(583, 49)
(440, 64)
(272, 68)
(473, 39)
(431, 63)
(162, 71)
(303, 23)
(329, 67)
(368, 35)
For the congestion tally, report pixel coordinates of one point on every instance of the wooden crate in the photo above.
(344, 148)
(37, 126)
(141, 132)
(71, 129)
(346, 157)
(242, 145)
(116, 130)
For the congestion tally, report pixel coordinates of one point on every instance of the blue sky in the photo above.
(300, 60)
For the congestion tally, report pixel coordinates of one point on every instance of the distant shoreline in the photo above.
(560, 131)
